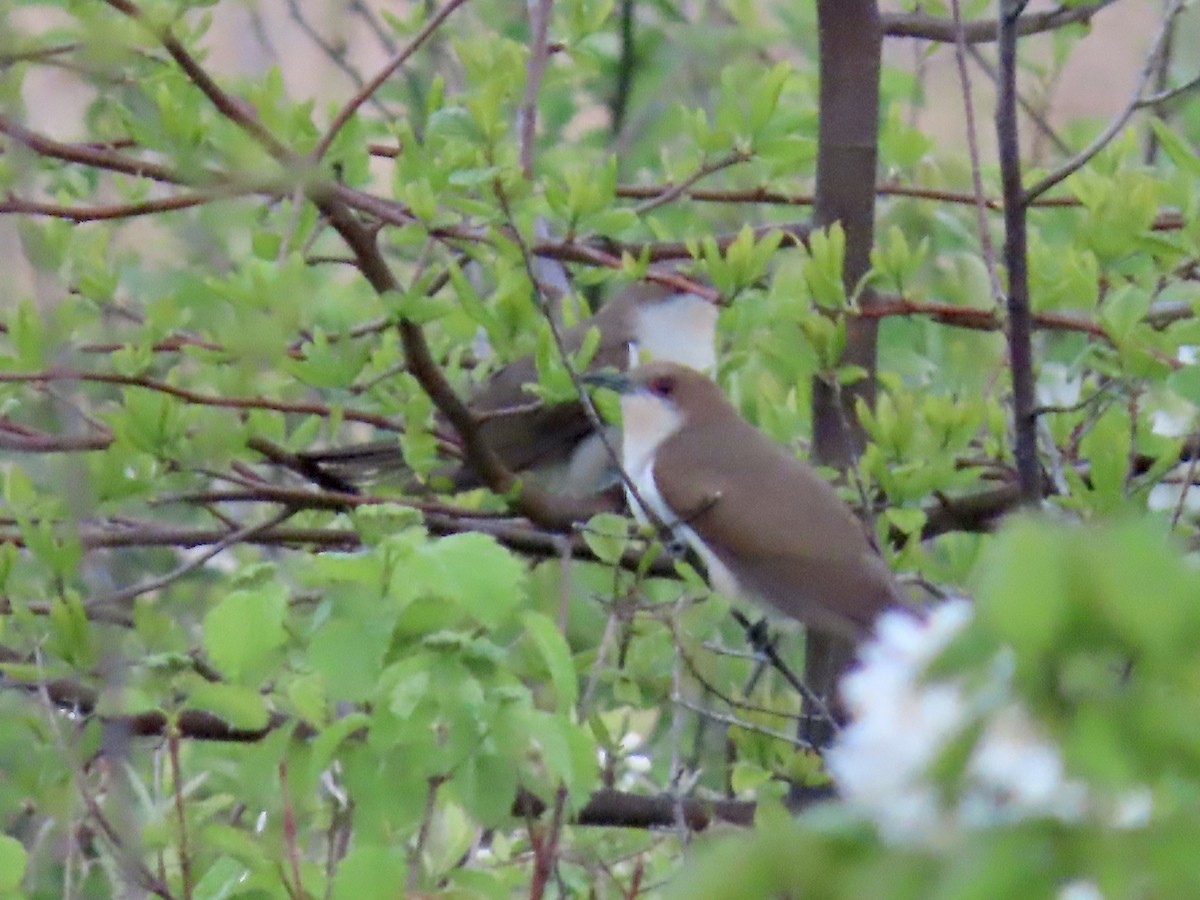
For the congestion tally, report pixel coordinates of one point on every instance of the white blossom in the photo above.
(1080, 890)
(903, 721)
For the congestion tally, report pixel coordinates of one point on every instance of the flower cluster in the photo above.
(925, 756)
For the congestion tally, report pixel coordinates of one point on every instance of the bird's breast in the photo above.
(719, 575)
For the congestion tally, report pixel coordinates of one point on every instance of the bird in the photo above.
(553, 443)
(765, 524)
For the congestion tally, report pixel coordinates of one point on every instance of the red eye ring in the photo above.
(662, 386)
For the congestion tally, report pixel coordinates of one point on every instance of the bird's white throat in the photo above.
(680, 329)
(648, 421)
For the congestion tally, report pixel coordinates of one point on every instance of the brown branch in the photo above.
(517, 535)
(140, 534)
(765, 195)
(1035, 115)
(674, 191)
(985, 236)
(14, 205)
(89, 155)
(16, 438)
(976, 318)
(232, 108)
(982, 31)
(351, 106)
(284, 406)
(1020, 320)
(535, 70)
(36, 54)
(1118, 122)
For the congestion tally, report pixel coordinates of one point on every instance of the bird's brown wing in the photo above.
(534, 434)
(779, 528)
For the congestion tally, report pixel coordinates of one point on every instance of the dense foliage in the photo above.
(219, 679)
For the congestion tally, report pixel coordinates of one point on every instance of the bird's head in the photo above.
(659, 398)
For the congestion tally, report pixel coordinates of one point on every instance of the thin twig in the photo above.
(316, 409)
(335, 55)
(124, 595)
(982, 31)
(1035, 116)
(15, 205)
(1118, 122)
(676, 786)
(1169, 94)
(985, 236)
(232, 108)
(368, 90)
(417, 850)
(673, 192)
(1188, 481)
(535, 70)
(185, 856)
(734, 722)
(289, 831)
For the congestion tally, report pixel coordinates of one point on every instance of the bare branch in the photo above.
(15, 438)
(88, 155)
(1114, 127)
(982, 31)
(368, 90)
(123, 596)
(535, 70)
(1035, 116)
(673, 192)
(232, 108)
(985, 237)
(14, 205)
(1168, 94)
(312, 409)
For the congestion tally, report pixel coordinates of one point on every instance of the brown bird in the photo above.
(765, 524)
(554, 443)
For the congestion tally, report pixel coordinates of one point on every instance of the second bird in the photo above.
(766, 525)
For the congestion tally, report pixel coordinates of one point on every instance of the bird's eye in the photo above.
(662, 386)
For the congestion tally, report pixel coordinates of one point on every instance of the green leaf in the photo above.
(907, 521)
(485, 580)
(243, 630)
(349, 654)
(823, 270)
(607, 535)
(557, 655)
(326, 744)
(1023, 587)
(12, 863)
(1186, 383)
(241, 707)
(370, 873)
(222, 879)
(489, 786)
(1176, 148)
(72, 636)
